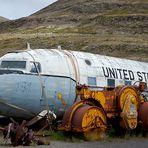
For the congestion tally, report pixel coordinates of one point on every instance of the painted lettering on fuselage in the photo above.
(125, 74)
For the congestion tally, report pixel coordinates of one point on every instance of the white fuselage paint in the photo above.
(60, 71)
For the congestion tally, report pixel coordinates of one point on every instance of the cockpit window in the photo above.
(35, 67)
(13, 64)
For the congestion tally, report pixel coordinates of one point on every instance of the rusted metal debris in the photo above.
(20, 134)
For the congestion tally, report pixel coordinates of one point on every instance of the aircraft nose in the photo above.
(17, 95)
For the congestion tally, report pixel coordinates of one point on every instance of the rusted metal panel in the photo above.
(143, 114)
(78, 116)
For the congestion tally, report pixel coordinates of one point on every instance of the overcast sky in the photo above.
(13, 9)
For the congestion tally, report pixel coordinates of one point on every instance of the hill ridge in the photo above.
(110, 27)
(3, 19)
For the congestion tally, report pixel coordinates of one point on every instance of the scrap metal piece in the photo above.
(20, 134)
(49, 114)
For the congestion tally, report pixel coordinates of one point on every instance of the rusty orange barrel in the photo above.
(143, 114)
(81, 117)
(88, 117)
(78, 116)
(66, 122)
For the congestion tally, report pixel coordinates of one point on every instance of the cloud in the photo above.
(14, 9)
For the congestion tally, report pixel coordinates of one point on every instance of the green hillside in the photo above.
(109, 27)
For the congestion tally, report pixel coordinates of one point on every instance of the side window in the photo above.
(111, 82)
(128, 83)
(92, 81)
(35, 66)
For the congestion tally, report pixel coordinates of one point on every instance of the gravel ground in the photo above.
(115, 143)
(109, 143)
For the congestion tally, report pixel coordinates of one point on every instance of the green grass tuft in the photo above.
(62, 136)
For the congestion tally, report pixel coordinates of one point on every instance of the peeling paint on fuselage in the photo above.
(24, 91)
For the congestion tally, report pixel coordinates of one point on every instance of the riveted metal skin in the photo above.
(143, 115)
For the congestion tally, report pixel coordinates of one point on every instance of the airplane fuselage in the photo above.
(34, 80)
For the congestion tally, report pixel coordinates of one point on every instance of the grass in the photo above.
(101, 34)
(127, 12)
(61, 136)
(127, 135)
(133, 47)
(79, 137)
(61, 30)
